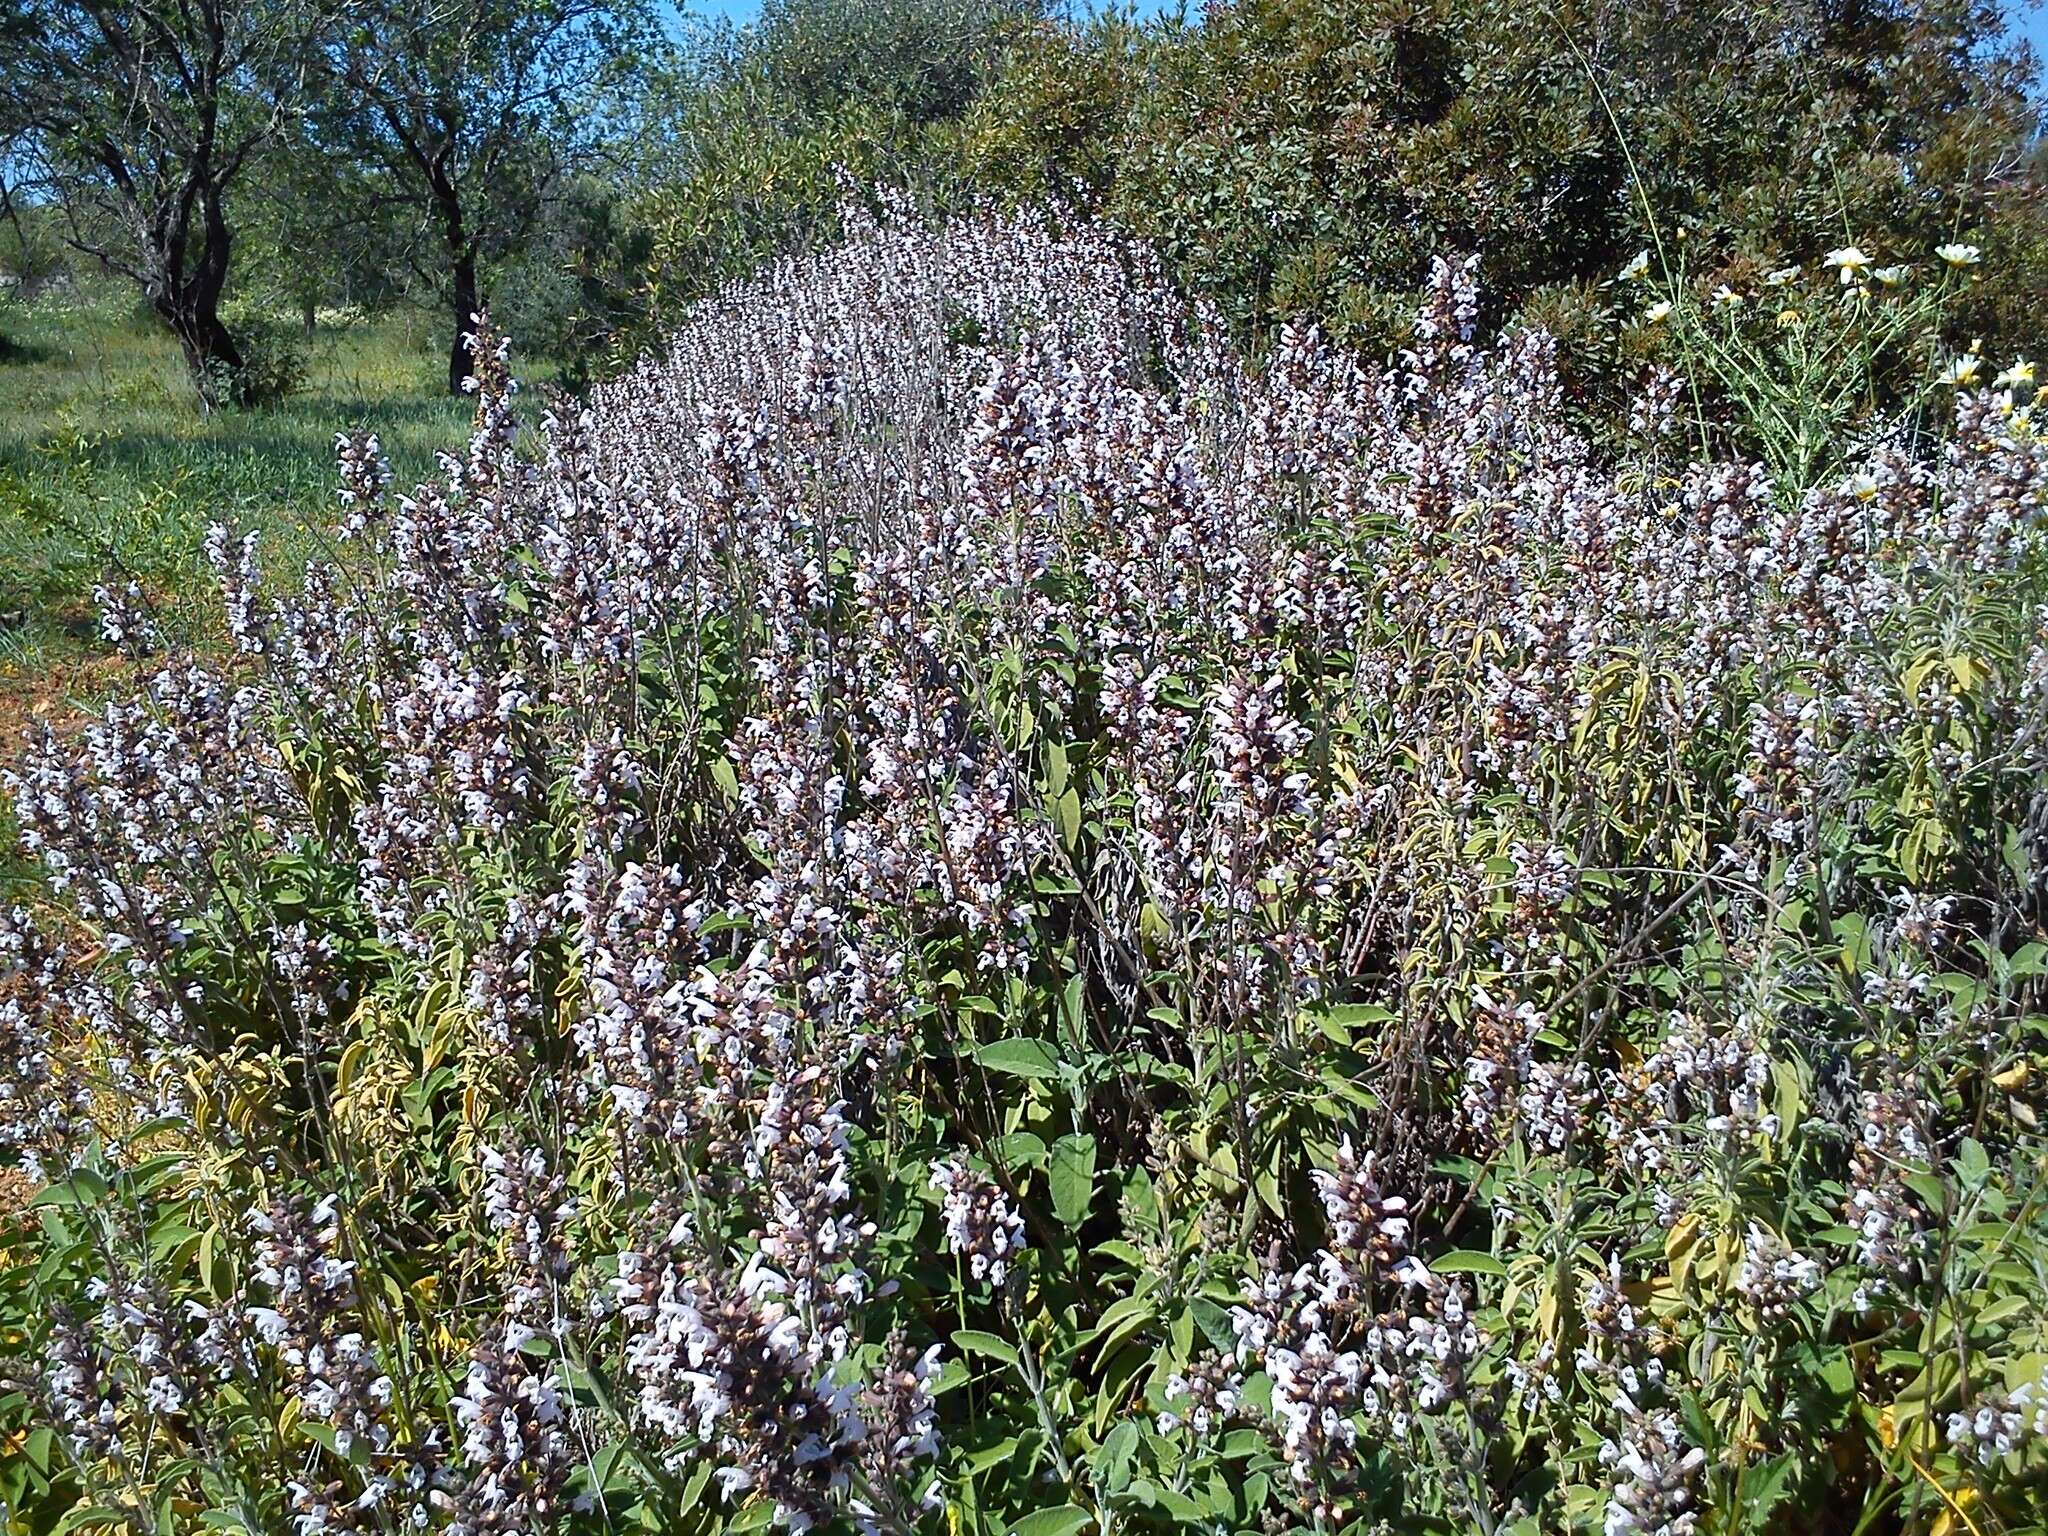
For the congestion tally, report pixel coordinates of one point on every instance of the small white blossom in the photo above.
(1850, 262)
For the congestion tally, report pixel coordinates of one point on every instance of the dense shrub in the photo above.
(1292, 157)
(765, 131)
(575, 290)
(1056, 122)
(958, 897)
(922, 60)
(274, 361)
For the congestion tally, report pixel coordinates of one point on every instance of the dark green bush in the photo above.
(768, 130)
(274, 361)
(925, 60)
(1302, 156)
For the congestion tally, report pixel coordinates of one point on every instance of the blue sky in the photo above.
(2032, 24)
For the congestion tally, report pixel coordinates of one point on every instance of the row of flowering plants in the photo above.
(951, 907)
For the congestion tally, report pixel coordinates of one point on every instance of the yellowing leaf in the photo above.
(345, 1069)
(1683, 1234)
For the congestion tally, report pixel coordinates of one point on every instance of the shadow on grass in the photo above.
(285, 452)
(15, 353)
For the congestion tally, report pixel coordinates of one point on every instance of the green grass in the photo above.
(108, 463)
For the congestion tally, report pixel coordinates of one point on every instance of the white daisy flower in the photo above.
(1850, 262)
(2020, 373)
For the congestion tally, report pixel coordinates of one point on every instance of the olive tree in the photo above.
(478, 116)
(139, 120)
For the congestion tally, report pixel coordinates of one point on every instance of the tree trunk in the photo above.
(190, 305)
(468, 300)
(209, 349)
(463, 288)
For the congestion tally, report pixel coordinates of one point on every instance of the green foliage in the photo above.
(1812, 365)
(1298, 156)
(480, 122)
(108, 465)
(141, 123)
(274, 364)
(32, 254)
(754, 185)
(317, 232)
(1057, 121)
(1650, 874)
(920, 61)
(766, 133)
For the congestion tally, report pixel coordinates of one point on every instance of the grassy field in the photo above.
(108, 464)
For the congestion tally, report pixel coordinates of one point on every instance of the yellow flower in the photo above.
(1963, 372)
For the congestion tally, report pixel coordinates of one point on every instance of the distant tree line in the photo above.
(588, 171)
(338, 142)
